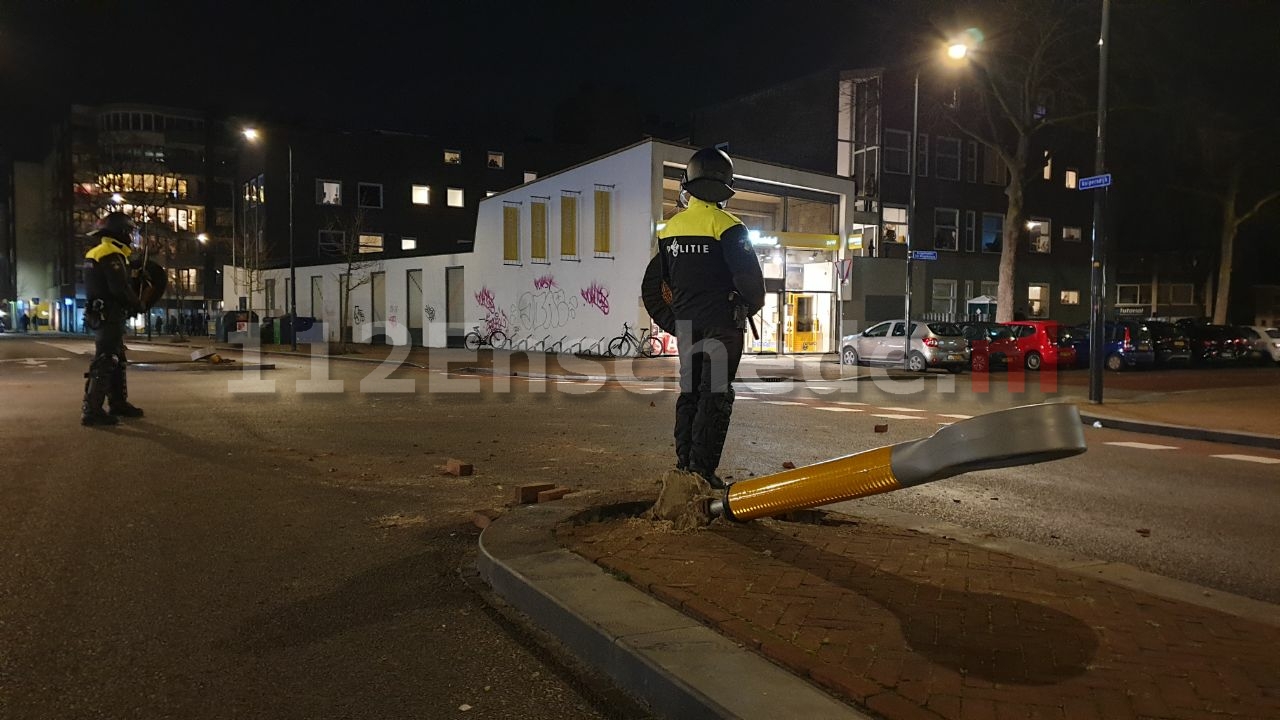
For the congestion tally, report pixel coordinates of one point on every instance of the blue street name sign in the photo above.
(1097, 181)
(924, 254)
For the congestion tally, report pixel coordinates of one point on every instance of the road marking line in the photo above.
(898, 409)
(782, 402)
(847, 402)
(899, 417)
(955, 417)
(838, 409)
(745, 397)
(823, 387)
(1142, 446)
(1250, 458)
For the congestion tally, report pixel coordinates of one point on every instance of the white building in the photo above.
(559, 260)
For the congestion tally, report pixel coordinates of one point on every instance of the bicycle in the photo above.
(475, 340)
(625, 344)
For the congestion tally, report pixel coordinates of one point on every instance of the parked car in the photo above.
(990, 344)
(1126, 344)
(1040, 343)
(933, 344)
(1266, 341)
(1171, 343)
(1213, 343)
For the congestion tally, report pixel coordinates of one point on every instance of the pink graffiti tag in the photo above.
(494, 319)
(597, 295)
(546, 282)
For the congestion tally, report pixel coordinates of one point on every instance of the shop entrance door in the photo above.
(808, 323)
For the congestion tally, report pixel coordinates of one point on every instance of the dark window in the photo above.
(370, 195)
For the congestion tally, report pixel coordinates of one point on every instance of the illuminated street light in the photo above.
(251, 134)
(955, 51)
(203, 237)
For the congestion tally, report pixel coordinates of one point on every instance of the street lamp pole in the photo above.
(911, 215)
(1097, 276)
(293, 271)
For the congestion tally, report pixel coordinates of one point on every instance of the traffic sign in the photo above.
(1096, 181)
(924, 254)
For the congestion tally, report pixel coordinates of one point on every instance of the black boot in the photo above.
(95, 392)
(119, 396)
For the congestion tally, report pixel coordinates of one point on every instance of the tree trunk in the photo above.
(1013, 219)
(1229, 226)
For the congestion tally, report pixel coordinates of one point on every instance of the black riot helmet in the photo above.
(116, 226)
(709, 175)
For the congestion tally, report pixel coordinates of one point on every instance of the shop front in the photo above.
(794, 235)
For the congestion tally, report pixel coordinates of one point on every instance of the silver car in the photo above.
(933, 344)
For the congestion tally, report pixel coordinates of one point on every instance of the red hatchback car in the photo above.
(1041, 344)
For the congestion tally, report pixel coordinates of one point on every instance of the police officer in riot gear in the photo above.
(702, 285)
(111, 299)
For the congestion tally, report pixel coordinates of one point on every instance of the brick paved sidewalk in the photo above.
(913, 626)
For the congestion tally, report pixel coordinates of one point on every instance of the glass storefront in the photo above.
(796, 242)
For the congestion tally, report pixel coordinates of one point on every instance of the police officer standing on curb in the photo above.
(111, 299)
(703, 285)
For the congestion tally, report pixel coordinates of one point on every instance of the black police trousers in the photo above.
(708, 362)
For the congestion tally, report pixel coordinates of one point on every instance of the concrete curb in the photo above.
(1185, 432)
(679, 667)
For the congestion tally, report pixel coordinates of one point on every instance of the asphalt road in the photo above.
(250, 550)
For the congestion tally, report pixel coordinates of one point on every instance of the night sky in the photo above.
(428, 67)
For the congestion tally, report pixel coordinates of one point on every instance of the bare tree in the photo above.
(1237, 191)
(1030, 73)
(359, 253)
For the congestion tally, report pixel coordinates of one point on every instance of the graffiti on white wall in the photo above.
(391, 318)
(597, 295)
(430, 312)
(494, 319)
(544, 308)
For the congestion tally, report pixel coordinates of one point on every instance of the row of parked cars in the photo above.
(1038, 344)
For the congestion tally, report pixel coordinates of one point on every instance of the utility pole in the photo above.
(911, 216)
(1098, 276)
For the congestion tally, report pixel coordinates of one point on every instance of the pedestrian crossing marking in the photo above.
(1143, 446)
(898, 417)
(1250, 458)
(954, 417)
(901, 409)
(848, 402)
(839, 409)
(782, 402)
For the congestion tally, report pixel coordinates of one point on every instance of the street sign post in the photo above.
(1094, 182)
(924, 254)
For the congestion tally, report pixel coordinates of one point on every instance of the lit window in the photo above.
(1071, 179)
(421, 194)
(1048, 166)
(454, 197)
(1069, 297)
(328, 192)
(370, 243)
(495, 160)
(1038, 300)
(530, 176)
(1038, 231)
(895, 224)
(1071, 234)
(452, 157)
(408, 243)
(370, 195)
